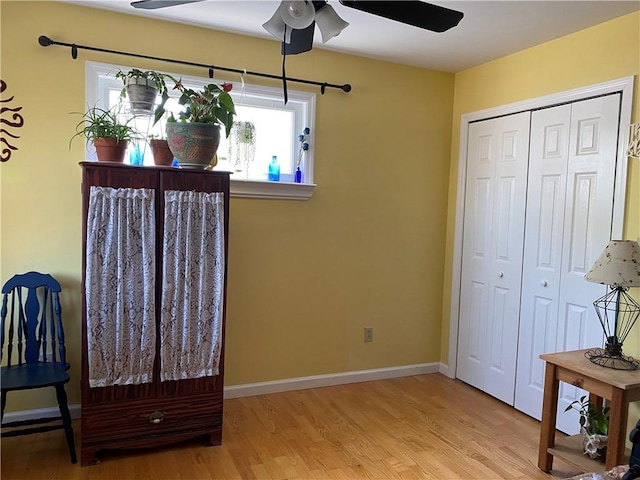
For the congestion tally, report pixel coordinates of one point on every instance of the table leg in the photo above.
(617, 427)
(595, 400)
(548, 424)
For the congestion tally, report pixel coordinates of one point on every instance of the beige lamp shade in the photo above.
(618, 264)
(300, 15)
(329, 23)
(297, 14)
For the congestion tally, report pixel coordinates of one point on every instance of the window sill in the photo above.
(273, 190)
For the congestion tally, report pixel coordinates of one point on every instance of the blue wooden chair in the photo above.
(33, 338)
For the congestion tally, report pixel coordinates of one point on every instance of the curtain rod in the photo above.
(46, 41)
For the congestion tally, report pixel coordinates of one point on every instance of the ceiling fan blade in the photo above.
(153, 4)
(416, 13)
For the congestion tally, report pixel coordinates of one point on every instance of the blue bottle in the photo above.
(274, 170)
(137, 156)
(298, 176)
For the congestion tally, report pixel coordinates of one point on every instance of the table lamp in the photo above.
(619, 267)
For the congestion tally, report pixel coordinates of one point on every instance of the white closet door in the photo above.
(542, 262)
(492, 253)
(569, 215)
(588, 220)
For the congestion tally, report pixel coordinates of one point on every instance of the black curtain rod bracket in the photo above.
(46, 41)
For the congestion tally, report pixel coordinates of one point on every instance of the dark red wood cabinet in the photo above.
(157, 412)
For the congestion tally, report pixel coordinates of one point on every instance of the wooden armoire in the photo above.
(153, 305)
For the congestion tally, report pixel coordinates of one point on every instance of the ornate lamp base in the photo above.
(617, 361)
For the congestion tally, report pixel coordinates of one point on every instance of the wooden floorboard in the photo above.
(421, 427)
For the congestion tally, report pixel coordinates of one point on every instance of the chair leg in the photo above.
(4, 403)
(66, 421)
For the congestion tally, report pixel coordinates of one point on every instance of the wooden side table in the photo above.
(620, 387)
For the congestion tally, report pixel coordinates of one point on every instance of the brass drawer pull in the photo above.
(156, 417)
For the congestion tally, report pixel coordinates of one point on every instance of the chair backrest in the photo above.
(32, 332)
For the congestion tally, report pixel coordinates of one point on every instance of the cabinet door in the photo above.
(192, 282)
(492, 253)
(114, 387)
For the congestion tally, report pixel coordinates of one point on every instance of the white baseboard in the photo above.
(276, 386)
(74, 410)
(444, 370)
(302, 383)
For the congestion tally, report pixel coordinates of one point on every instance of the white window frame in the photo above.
(303, 103)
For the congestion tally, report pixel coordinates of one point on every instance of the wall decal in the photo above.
(15, 121)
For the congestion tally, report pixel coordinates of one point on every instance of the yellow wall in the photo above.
(305, 278)
(605, 52)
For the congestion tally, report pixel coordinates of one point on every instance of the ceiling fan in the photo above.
(293, 22)
(411, 12)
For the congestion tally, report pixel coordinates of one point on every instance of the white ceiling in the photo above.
(489, 29)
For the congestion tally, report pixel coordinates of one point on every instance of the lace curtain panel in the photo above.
(192, 285)
(120, 286)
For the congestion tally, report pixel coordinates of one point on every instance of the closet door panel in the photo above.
(477, 248)
(542, 260)
(588, 215)
(569, 212)
(588, 221)
(492, 245)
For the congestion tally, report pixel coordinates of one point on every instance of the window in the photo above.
(277, 128)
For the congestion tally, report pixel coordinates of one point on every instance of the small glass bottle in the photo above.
(137, 156)
(274, 170)
(298, 176)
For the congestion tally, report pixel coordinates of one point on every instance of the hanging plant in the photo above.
(242, 144)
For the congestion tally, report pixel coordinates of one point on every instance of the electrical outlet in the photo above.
(368, 334)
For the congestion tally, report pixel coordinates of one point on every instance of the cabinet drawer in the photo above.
(150, 417)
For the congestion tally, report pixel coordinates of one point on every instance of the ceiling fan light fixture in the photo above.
(329, 23)
(297, 14)
(276, 27)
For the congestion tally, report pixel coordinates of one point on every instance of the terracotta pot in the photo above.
(193, 144)
(110, 149)
(161, 153)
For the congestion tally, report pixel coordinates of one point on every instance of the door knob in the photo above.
(500, 274)
(544, 283)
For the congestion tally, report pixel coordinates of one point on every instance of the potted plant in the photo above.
(109, 134)
(160, 149)
(194, 136)
(142, 89)
(594, 426)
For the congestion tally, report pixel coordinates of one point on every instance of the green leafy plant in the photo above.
(100, 123)
(212, 104)
(152, 79)
(593, 420)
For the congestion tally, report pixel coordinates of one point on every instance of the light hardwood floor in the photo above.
(422, 427)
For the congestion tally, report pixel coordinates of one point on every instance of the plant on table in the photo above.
(594, 426)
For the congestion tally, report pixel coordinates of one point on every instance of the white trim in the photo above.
(624, 86)
(274, 190)
(444, 370)
(304, 104)
(22, 415)
(263, 388)
(302, 383)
